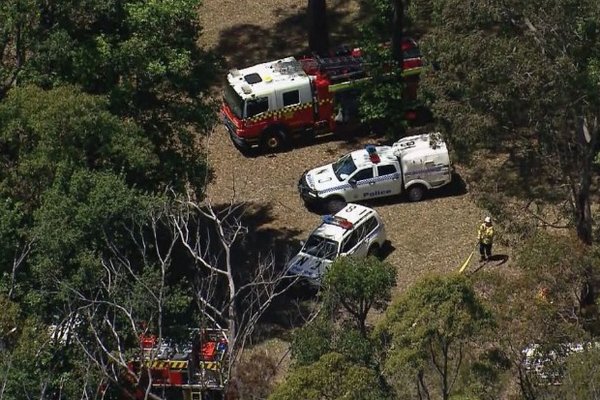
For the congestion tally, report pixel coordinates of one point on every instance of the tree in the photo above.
(322, 336)
(318, 32)
(532, 322)
(19, 20)
(582, 374)
(142, 55)
(426, 334)
(383, 99)
(529, 87)
(360, 284)
(332, 377)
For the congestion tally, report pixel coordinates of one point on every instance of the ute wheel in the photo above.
(374, 251)
(273, 141)
(416, 193)
(334, 205)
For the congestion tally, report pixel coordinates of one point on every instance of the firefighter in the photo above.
(486, 239)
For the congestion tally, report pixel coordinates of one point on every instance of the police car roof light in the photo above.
(341, 222)
(371, 149)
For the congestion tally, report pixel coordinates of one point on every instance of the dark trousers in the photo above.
(485, 250)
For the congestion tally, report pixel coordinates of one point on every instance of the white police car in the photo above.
(355, 230)
(413, 165)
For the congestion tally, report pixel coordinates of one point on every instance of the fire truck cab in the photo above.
(269, 103)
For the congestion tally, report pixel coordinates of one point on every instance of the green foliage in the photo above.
(312, 341)
(320, 337)
(560, 276)
(332, 377)
(382, 103)
(44, 132)
(582, 373)
(511, 78)
(359, 284)
(428, 330)
(142, 55)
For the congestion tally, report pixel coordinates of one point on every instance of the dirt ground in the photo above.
(432, 236)
(435, 235)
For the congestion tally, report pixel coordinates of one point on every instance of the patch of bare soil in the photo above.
(432, 236)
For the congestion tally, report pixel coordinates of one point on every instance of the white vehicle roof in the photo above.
(408, 148)
(262, 79)
(418, 146)
(334, 230)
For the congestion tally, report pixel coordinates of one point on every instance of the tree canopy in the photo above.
(426, 334)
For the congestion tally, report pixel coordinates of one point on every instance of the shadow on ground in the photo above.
(457, 187)
(494, 261)
(248, 44)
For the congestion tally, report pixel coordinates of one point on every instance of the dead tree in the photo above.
(134, 285)
(210, 237)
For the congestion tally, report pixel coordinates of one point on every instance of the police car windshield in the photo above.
(321, 247)
(345, 165)
(234, 101)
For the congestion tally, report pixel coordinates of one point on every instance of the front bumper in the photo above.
(239, 142)
(308, 195)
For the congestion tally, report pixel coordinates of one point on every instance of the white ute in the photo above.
(413, 165)
(355, 230)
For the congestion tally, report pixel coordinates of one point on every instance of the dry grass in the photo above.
(433, 236)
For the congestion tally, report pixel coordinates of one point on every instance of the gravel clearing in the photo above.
(432, 236)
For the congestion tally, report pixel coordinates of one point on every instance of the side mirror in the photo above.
(352, 182)
(302, 243)
(343, 176)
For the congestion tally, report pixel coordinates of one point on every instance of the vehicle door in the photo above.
(388, 181)
(436, 173)
(350, 243)
(366, 236)
(296, 106)
(359, 242)
(362, 183)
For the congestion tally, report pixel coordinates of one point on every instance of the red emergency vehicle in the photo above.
(269, 103)
(190, 371)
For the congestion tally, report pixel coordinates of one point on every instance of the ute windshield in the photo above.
(234, 101)
(345, 165)
(320, 247)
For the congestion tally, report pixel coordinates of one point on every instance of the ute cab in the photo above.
(356, 230)
(413, 165)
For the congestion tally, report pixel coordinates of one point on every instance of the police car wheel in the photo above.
(334, 205)
(416, 193)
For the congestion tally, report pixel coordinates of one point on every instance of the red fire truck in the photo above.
(269, 103)
(194, 370)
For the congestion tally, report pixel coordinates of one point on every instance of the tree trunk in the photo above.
(397, 21)
(318, 32)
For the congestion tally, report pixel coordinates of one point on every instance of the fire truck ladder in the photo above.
(341, 68)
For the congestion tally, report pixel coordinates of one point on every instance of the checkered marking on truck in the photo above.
(171, 364)
(387, 177)
(210, 365)
(285, 111)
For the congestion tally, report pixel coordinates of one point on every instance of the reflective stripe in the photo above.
(172, 364)
(387, 177)
(280, 112)
(210, 365)
(426, 170)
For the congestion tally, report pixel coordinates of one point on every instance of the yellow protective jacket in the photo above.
(486, 234)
